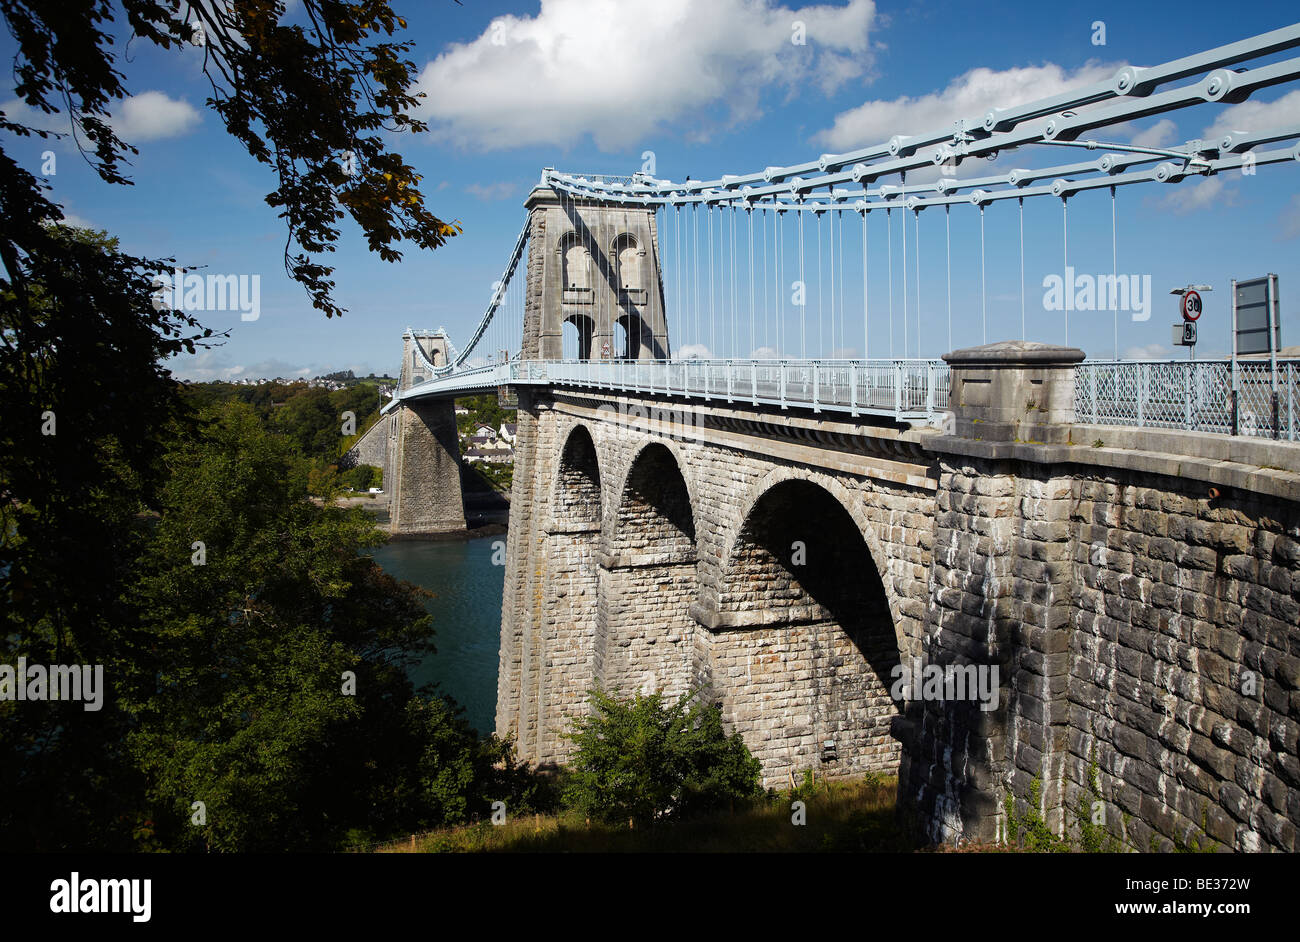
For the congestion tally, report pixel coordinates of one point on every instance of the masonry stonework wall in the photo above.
(665, 590)
(1142, 605)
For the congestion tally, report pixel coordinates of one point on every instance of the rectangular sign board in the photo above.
(1256, 304)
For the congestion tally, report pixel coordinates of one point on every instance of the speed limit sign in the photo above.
(1191, 306)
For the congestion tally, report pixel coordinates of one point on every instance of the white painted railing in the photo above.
(904, 389)
(1199, 395)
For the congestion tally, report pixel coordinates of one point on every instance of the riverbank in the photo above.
(483, 518)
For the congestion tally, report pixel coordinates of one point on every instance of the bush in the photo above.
(645, 761)
(362, 477)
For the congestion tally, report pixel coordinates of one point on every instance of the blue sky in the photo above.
(711, 88)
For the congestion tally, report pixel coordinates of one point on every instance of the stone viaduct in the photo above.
(1138, 591)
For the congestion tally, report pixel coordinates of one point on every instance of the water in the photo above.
(466, 610)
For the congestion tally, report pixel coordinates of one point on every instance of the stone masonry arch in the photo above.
(851, 501)
(806, 645)
(618, 486)
(578, 497)
(645, 638)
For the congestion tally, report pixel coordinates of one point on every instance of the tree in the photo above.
(270, 682)
(88, 403)
(643, 760)
(312, 102)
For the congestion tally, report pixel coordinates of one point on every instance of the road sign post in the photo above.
(1191, 307)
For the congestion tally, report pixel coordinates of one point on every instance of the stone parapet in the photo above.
(1013, 391)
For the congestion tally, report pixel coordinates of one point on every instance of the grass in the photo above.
(856, 815)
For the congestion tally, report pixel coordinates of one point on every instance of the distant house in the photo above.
(483, 435)
(508, 432)
(490, 455)
(461, 410)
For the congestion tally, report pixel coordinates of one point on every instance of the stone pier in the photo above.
(426, 495)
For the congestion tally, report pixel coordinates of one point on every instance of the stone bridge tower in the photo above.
(422, 474)
(594, 265)
(436, 349)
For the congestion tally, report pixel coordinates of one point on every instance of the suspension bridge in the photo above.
(805, 485)
(771, 279)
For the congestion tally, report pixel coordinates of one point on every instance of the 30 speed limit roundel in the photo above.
(1191, 306)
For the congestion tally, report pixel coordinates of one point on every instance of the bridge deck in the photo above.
(1254, 398)
(907, 390)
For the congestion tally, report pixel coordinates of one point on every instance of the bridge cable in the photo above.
(723, 271)
(837, 312)
(780, 281)
(1022, 267)
(903, 214)
(844, 325)
(695, 280)
(767, 312)
(713, 317)
(1065, 257)
(804, 300)
(831, 223)
(677, 248)
(821, 287)
(984, 306)
(720, 317)
(735, 308)
(889, 228)
(916, 228)
(947, 224)
(753, 307)
(776, 283)
(866, 328)
(1114, 266)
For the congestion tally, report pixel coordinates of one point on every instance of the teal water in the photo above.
(466, 610)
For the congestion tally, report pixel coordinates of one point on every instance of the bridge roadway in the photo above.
(911, 390)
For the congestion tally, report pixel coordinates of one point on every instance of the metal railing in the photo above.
(1197, 395)
(904, 389)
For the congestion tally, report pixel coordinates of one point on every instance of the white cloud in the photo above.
(1188, 197)
(765, 353)
(967, 96)
(622, 71)
(1161, 134)
(1256, 116)
(491, 191)
(152, 115)
(1152, 351)
(1289, 220)
(693, 350)
(144, 117)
